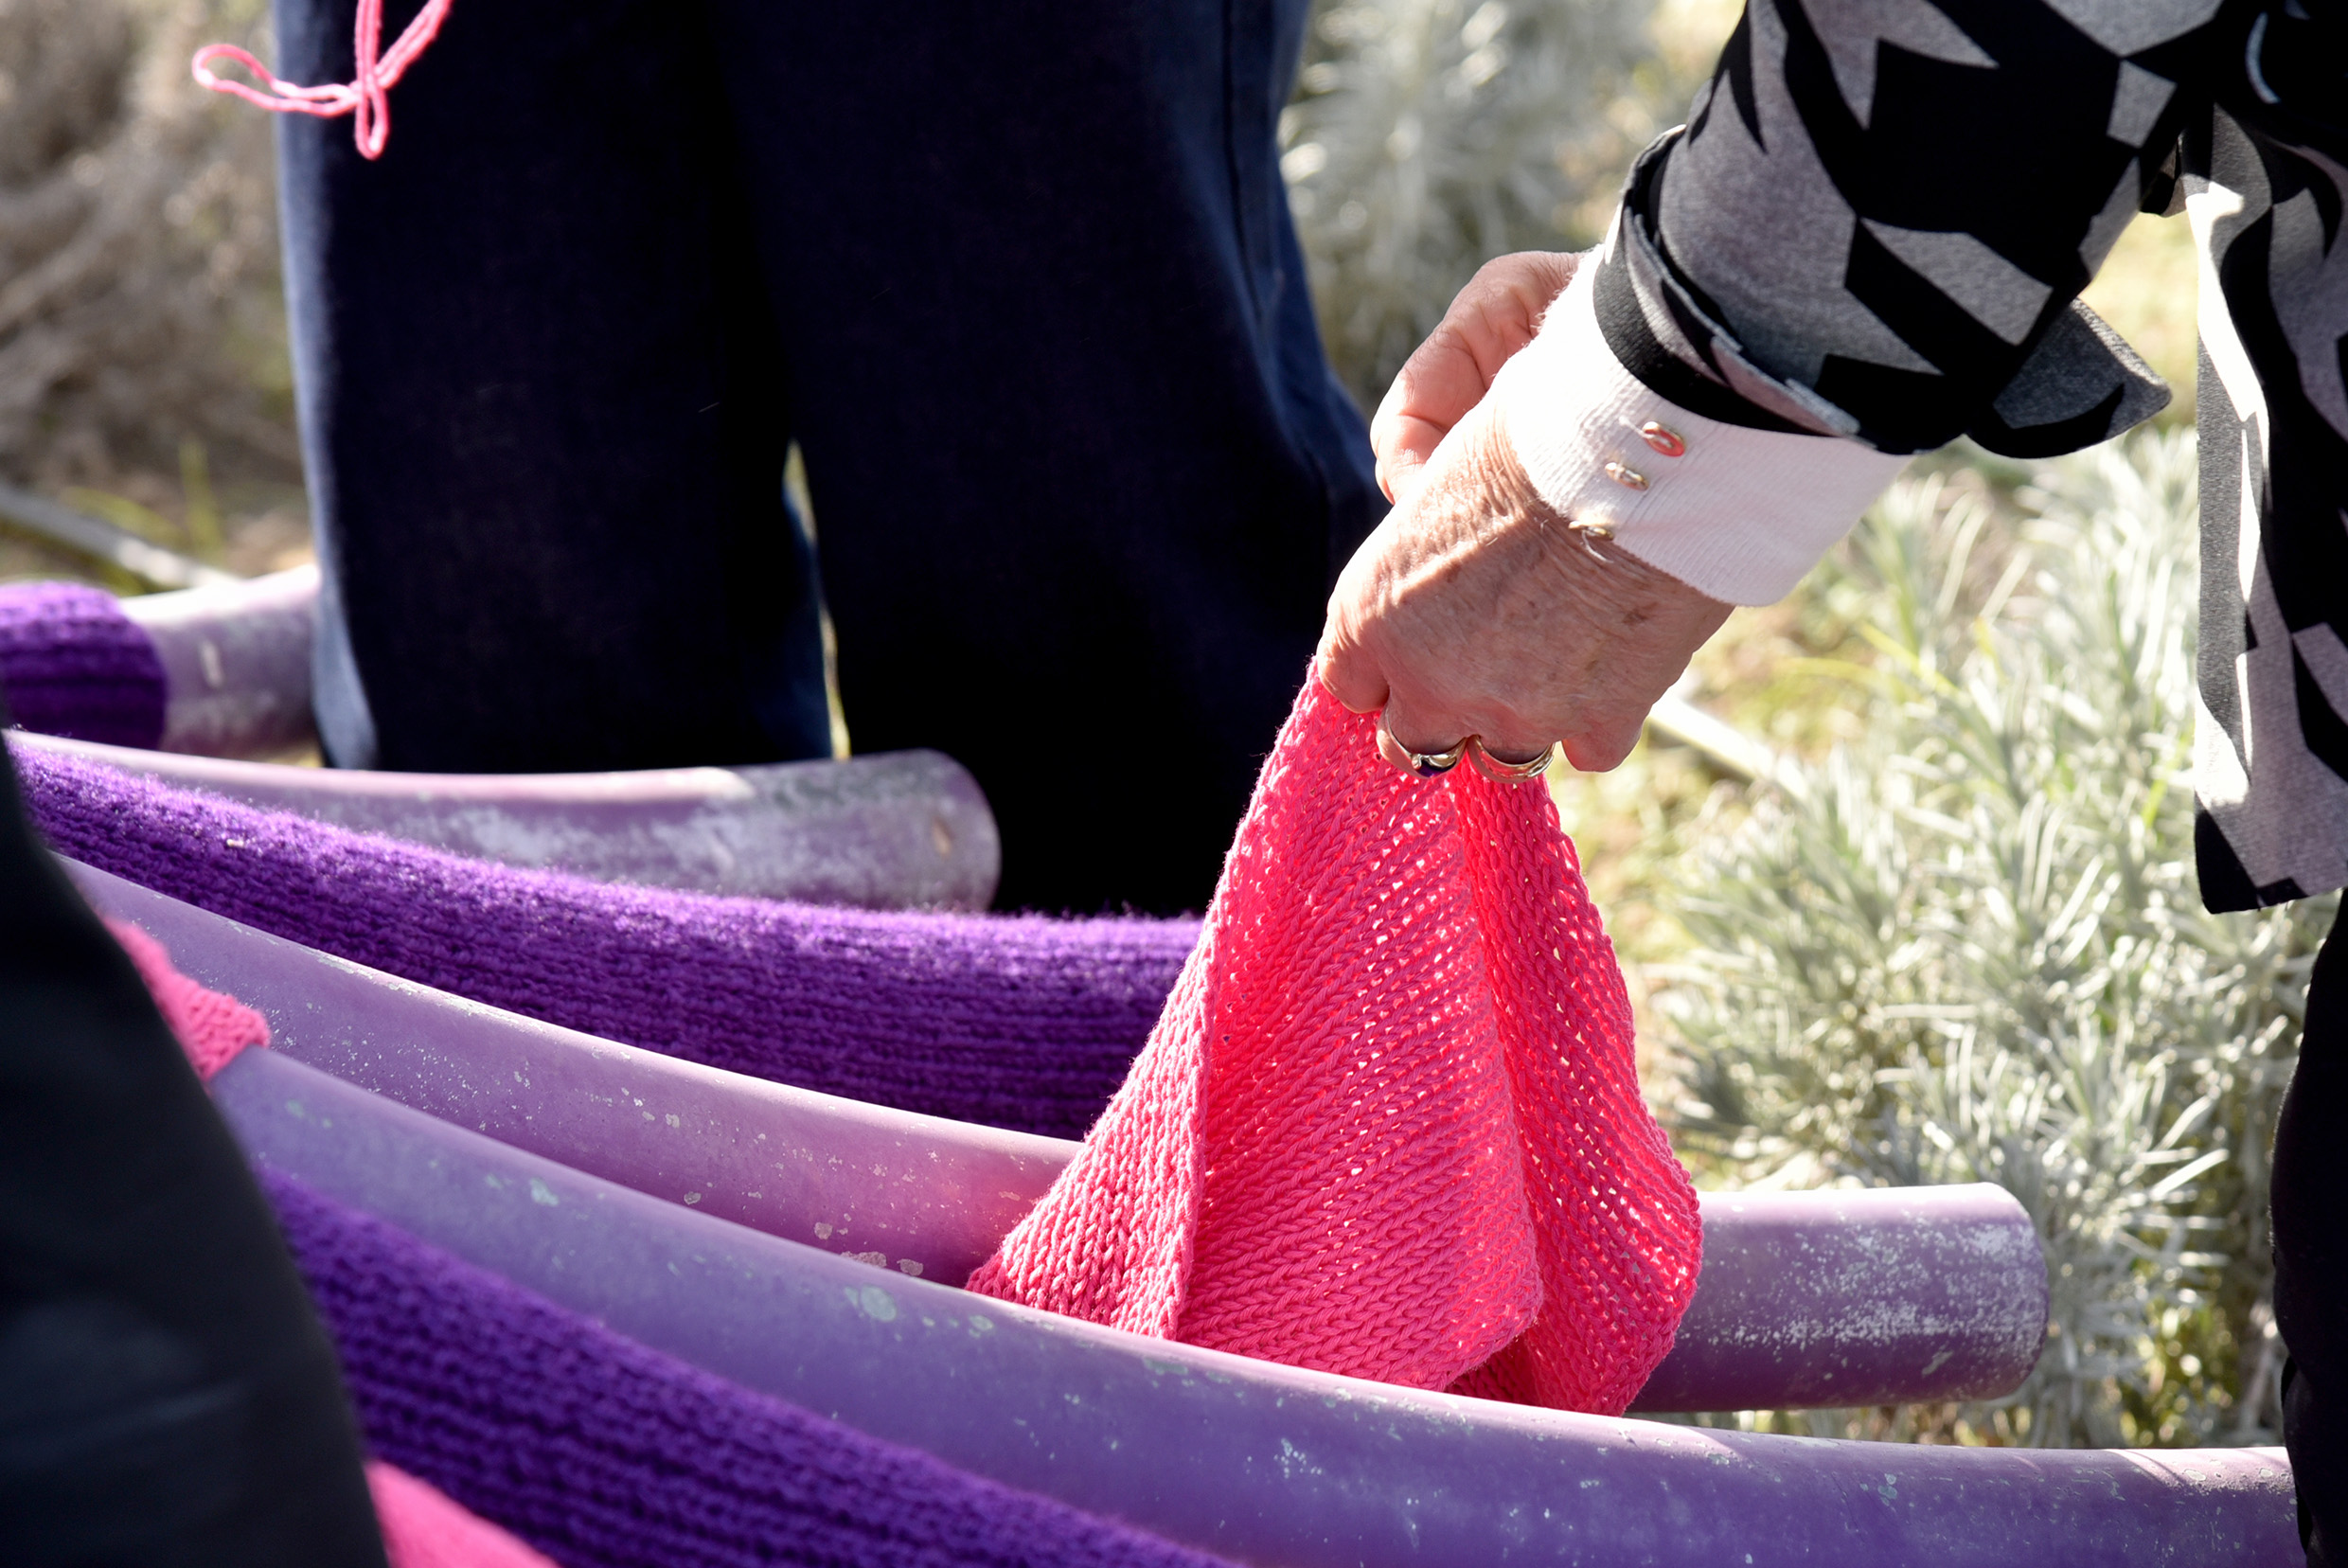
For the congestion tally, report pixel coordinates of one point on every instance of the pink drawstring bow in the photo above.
(363, 98)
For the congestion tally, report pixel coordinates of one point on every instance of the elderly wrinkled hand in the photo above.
(1475, 609)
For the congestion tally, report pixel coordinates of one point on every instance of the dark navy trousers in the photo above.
(1018, 278)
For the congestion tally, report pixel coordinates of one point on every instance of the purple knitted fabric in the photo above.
(72, 663)
(1022, 1023)
(600, 1450)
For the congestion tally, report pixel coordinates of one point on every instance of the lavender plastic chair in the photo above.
(894, 831)
(236, 663)
(1263, 1463)
(1805, 1298)
(189, 685)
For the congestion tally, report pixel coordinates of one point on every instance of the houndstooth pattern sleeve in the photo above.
(2265, 178)
(1873, 233)
(1869, 239)
(1888, 208)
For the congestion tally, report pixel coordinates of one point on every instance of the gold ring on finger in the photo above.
(1500, 770)
(1416, 763)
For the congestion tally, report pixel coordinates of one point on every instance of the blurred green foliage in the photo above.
(1428, 136)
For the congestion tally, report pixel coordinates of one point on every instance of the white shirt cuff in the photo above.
(1739, 513)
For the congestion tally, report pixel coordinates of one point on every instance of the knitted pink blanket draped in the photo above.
(1389, 1123)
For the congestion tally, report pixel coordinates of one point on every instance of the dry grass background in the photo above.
(143, 369)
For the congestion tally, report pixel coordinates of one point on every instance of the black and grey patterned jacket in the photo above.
(1870, 238)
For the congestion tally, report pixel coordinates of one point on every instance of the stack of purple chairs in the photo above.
(637, 1213)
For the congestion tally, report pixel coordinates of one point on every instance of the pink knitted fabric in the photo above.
(1389, 1123)
(423, 1529)
(210, 1027)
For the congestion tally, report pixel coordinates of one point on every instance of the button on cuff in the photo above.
(1740, 514)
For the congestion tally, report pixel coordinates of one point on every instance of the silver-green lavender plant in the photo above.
(1428, 136)
(1973, 950)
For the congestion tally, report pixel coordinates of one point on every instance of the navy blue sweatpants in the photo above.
(1020, 279)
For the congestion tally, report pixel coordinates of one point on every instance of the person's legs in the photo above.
(1081, 475)
(542, 408)
(167, 1395)
(2311, 1260)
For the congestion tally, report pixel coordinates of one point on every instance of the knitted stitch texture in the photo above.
(1389, 1124)
(423, 1529)
(210, 1027)
(1024, 1022)
(73, 663)
(604, 1454)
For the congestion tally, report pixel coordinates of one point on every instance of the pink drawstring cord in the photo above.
(364, 99)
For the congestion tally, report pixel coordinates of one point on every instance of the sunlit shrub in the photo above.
(1428, 136)
(1973, 950)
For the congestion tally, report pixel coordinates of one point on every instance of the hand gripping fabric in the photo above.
(1389, 1123)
